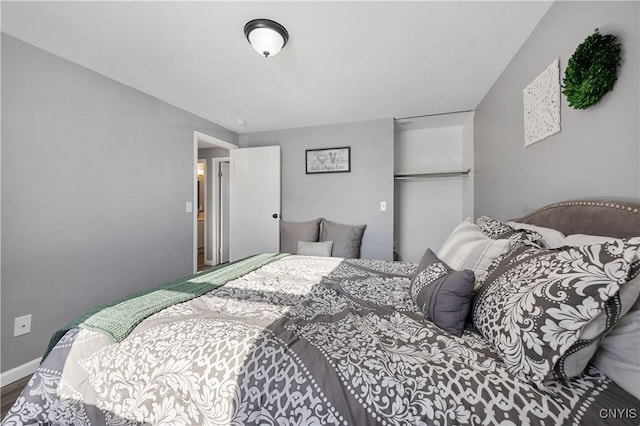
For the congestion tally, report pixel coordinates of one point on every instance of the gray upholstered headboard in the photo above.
(595, 217)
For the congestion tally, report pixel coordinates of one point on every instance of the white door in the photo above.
(254, 201)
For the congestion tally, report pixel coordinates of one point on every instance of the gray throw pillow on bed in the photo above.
(322, 248)
(292, 232)
(442, 294)
(346, 238)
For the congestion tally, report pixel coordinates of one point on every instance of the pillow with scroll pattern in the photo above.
(551, 237)
(495, 229)
(522, 243)
(535, 310)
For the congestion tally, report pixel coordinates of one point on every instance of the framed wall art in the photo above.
(328, 160)
(541, 100)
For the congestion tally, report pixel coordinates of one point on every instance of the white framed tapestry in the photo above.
(541, 100)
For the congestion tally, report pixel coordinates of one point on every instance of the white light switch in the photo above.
(383, 206)
(189, 207)
(22, 325)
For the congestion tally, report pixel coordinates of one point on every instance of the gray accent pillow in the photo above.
(346, 238)
(442, 294)
(546, 311)
(292, 232)
(322, 248)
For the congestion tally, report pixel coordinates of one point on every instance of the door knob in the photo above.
(275, 215)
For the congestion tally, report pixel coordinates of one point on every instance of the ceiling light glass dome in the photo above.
(266, 36)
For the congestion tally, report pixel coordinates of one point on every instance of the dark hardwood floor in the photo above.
(201, 265)
(10, 393)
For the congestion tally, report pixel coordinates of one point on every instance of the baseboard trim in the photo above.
(21, 371)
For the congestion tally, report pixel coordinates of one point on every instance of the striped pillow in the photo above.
(469, 248)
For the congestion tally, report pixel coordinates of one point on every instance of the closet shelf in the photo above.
(414, 176)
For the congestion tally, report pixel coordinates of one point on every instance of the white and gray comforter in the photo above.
(305, 341)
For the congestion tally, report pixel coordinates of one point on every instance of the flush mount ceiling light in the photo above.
(266, 36)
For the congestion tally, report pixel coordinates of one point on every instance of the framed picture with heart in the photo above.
(328, 160)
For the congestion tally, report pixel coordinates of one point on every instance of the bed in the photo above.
(287, 339)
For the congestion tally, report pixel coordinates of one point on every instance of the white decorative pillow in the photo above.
(577, 240)
(551, 237)
(469, 248)
(323, 248)
(540, 309)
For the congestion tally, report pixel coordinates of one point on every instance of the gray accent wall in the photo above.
(95, 177)
(349, 198)
(597, 152)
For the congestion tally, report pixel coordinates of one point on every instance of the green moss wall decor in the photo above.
(592, 70)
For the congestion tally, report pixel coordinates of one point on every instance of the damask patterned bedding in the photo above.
(302, 340)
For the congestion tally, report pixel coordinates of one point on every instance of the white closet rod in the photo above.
(415, 176)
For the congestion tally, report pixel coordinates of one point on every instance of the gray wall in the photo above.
(597, 152)
(350, 198)
(95, 176)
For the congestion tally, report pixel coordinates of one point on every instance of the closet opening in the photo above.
(433, 183)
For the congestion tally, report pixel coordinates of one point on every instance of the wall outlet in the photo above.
(22, 325)
(383, 206)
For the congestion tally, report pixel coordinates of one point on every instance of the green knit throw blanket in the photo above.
(117, 319)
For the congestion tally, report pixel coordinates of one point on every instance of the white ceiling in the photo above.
(345, 61)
